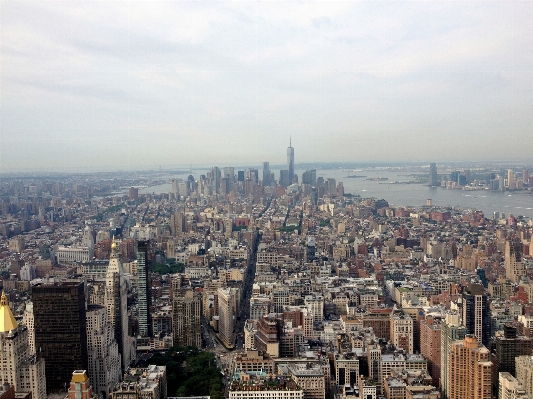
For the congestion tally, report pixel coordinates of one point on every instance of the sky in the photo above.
(122, 84)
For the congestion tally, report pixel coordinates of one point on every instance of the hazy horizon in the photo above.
(124, 85)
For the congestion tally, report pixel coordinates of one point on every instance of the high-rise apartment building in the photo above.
(469, 370)
(451, 330)
(60, 330)
(290, 162)
(104, 363)
(476, 312)
(144, 297)
(19, 367)
(433, 177)
(186, 318)
(116, 304)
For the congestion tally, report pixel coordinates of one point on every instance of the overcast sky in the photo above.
(111, 84)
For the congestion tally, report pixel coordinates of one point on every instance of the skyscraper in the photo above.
(227, 298)
(116, 304)
(60, 330)
(186, 322)
(433, 178)
(102, 350)
(144, 297)
(507, 347)
(514, 267)
(476, 313)
(290, 161)
(18, 366)
(266, 174)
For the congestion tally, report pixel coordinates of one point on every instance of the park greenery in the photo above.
(168, 268)
(190, 372)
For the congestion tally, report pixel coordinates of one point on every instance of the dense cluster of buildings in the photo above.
(315, 292)
(509, 180)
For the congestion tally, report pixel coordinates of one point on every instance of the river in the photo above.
(398, 194)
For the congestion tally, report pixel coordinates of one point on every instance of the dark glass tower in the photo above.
(60, 330)
(476, 313)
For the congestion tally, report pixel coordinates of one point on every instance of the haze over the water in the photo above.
(114, 84)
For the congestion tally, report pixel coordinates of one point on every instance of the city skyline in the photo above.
(121, 85)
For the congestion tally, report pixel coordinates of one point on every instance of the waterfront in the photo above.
(415, 194)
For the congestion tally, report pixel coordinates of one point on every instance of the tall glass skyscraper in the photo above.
(290, 161)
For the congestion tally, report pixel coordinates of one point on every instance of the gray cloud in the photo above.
(142, 83)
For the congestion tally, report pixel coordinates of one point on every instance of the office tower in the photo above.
(116, 298)
(134, 194)
(178, 224)
(309, 177)
(80, 387)
(240, 175)
(525, 177)
(104, 364)
(507, 347)
(87, 239)
(144, 288)
(229, 173)
(175, 187)
(284, 178)
(332, 186)
(224, 185)
(514, 267)
(290, 162)
(269, 329)
(430, 345)
(215, 176)
(468, 176)
(60, 330)
(451, 330)
(266, 174)
(186, 319)
(18, 366)
(510, 387)
(227, 298)
(252, 174)
(433, 177)
(476, 312)
(469, 370)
